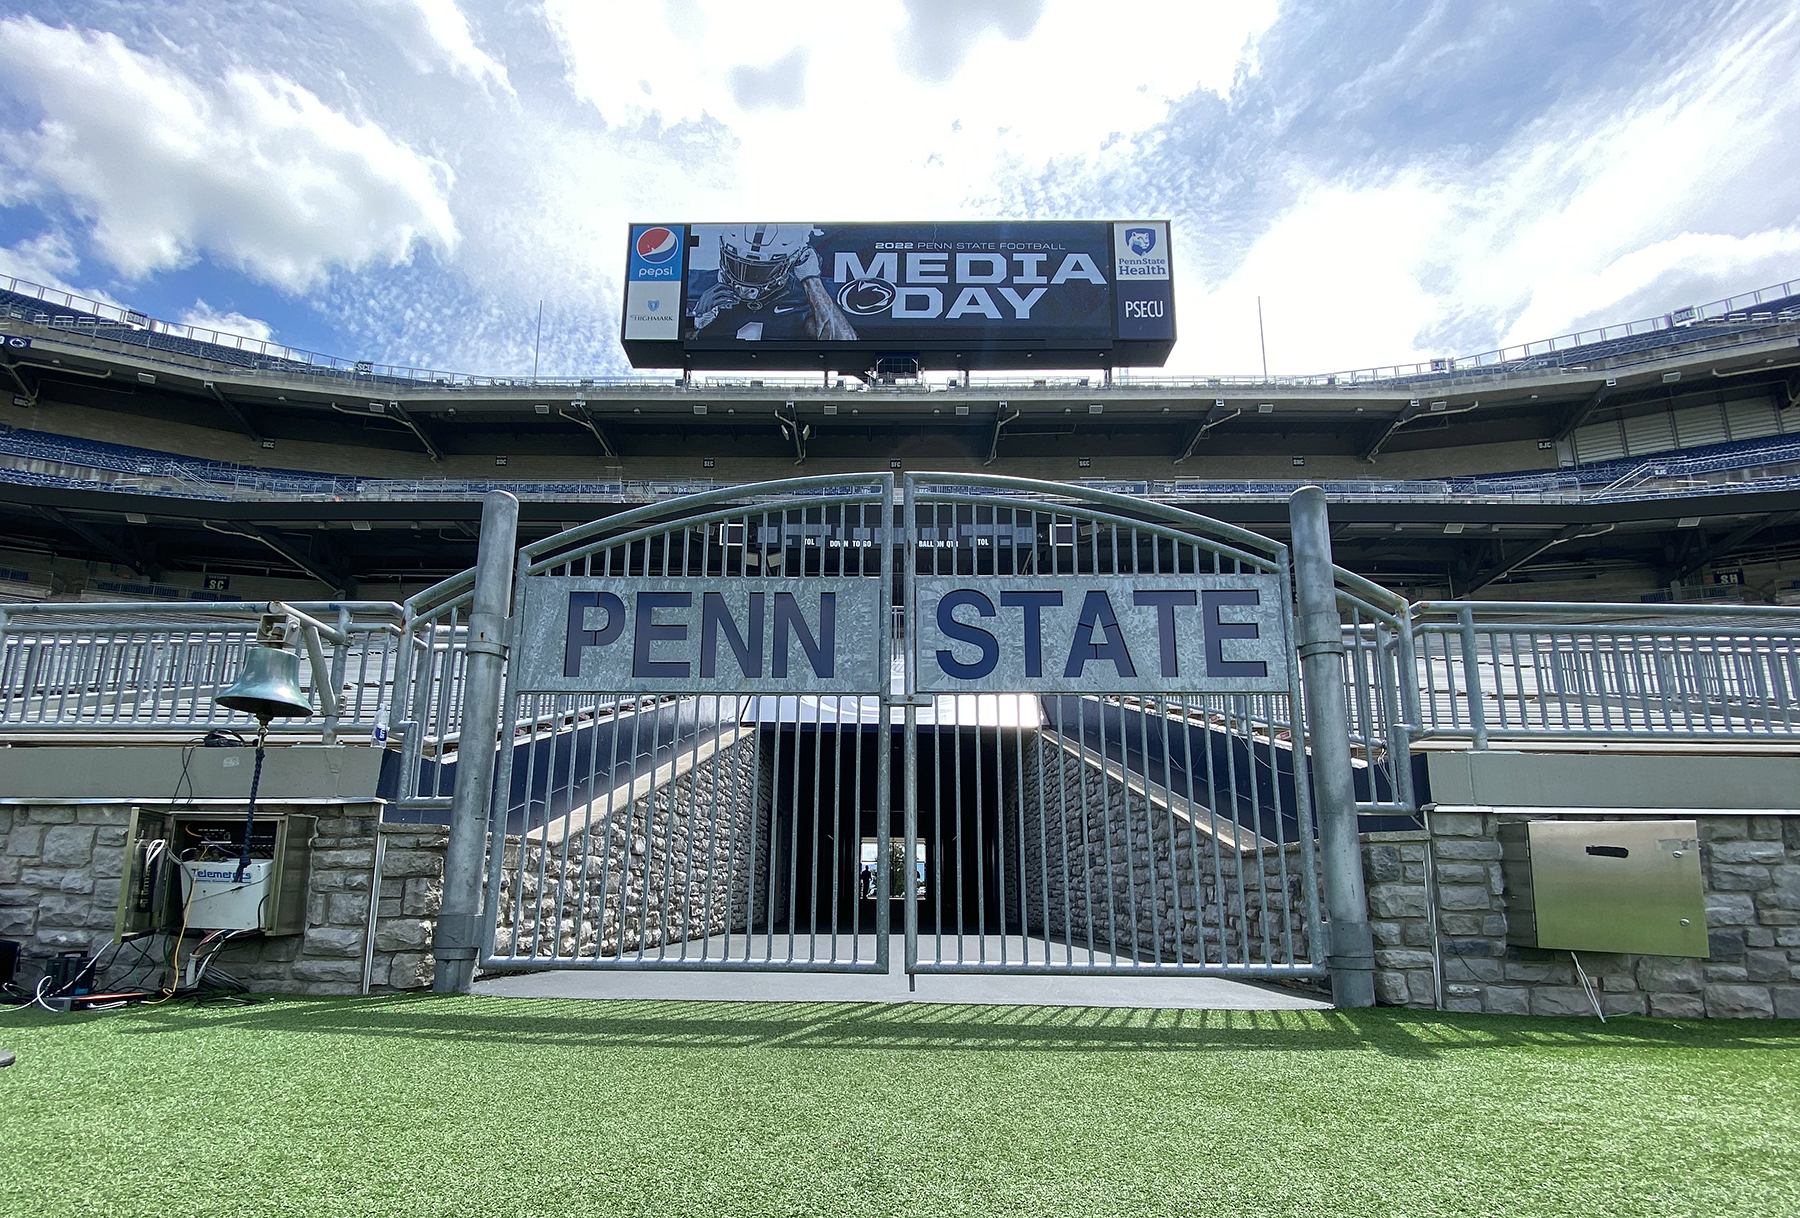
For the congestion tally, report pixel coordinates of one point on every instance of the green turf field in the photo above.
(484, 1106)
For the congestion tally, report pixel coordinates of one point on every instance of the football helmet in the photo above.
(755, 260)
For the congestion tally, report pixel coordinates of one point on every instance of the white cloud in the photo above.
(873, 136)
(434, 33)
(252, 169)
(1608, 209)
(203, 316)
(46, 260)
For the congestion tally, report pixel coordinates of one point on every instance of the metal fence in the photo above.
(152, 667)
(1667, 672)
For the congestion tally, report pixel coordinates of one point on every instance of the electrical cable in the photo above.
(175, 965)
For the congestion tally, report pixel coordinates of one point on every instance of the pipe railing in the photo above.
(154, 667)
(1542, 670)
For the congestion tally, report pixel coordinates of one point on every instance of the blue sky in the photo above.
(405, 180)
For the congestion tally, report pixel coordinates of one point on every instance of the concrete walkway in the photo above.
(1190, 993)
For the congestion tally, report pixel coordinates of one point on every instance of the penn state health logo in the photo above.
(656, 245)
(1139, 241)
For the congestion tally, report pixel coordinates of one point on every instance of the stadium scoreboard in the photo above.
(1045, 294)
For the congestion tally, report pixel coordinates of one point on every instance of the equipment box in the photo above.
(1604, 886)
(159, 842)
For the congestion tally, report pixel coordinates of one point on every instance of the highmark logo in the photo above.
(1139, 241)
(656, 245)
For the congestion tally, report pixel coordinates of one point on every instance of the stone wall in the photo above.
(1751, 870)
(670, 866)
(60, 867)
(1141, 879)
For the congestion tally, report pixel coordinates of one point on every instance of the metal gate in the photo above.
(677, 818)
(1124, 815)
(1087, 706)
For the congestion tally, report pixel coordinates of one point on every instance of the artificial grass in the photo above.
(539, 1107)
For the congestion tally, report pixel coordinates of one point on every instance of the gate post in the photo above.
(453, 945)
(1351, 955)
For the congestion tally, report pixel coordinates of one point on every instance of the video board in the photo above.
(959, 295)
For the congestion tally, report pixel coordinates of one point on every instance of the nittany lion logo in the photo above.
(1140, 241)
(654, 305)
(865, 297)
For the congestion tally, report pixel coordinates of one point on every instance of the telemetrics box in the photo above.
(215, 899)
(1604, 886)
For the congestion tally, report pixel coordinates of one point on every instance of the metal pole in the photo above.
(1261, 338)
(454, 944)
(1471, 661)
(1351, 956)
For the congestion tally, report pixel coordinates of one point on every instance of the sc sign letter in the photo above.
(1123, 634)
(592, 634)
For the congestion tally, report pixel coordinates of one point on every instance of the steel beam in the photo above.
(237, 415)
(1351, 957)
(1215, 416)
(1007, 415)
(1732, 541)
(1577, 415)
(100, 541)
(454, 944)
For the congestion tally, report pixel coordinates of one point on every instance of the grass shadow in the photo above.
(801, 1026)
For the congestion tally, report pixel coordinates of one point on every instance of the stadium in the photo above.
(1649, 460)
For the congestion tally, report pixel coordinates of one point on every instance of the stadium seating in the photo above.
(1659, 474)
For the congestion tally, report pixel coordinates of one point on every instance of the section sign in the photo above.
(1100, 634)
(595, 634)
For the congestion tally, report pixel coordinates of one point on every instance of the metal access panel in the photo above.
(150, 895)
(1605, 886)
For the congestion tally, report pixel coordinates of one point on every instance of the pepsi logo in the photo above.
(656, 245)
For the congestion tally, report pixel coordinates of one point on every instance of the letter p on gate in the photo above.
(579, 637)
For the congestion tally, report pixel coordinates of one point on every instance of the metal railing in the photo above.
(1529, 670)
(153, 667)
(1744, 309)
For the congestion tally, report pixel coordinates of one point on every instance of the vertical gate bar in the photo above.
(1019, 834)
(693, 817)
(999, 817)
(774, 825)
(606, 838)
(1081, 791)
(642, 705)
(1262, 865)
(910, 814)
(884, 735)
(837, 802)
(1162, 715)
(562, 865)
(1233, 713)
(454, 943)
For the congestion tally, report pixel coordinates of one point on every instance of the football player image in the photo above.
(768, 286)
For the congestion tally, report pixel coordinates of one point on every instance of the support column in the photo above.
(453, 947)
(1351, 957)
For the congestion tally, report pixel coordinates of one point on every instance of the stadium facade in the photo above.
(985, 672)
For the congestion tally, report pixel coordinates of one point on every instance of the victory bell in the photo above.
(268, 686)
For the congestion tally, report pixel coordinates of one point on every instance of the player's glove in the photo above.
(806, 266)
(711, 303)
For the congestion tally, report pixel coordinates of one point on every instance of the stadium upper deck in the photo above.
(157, 448)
